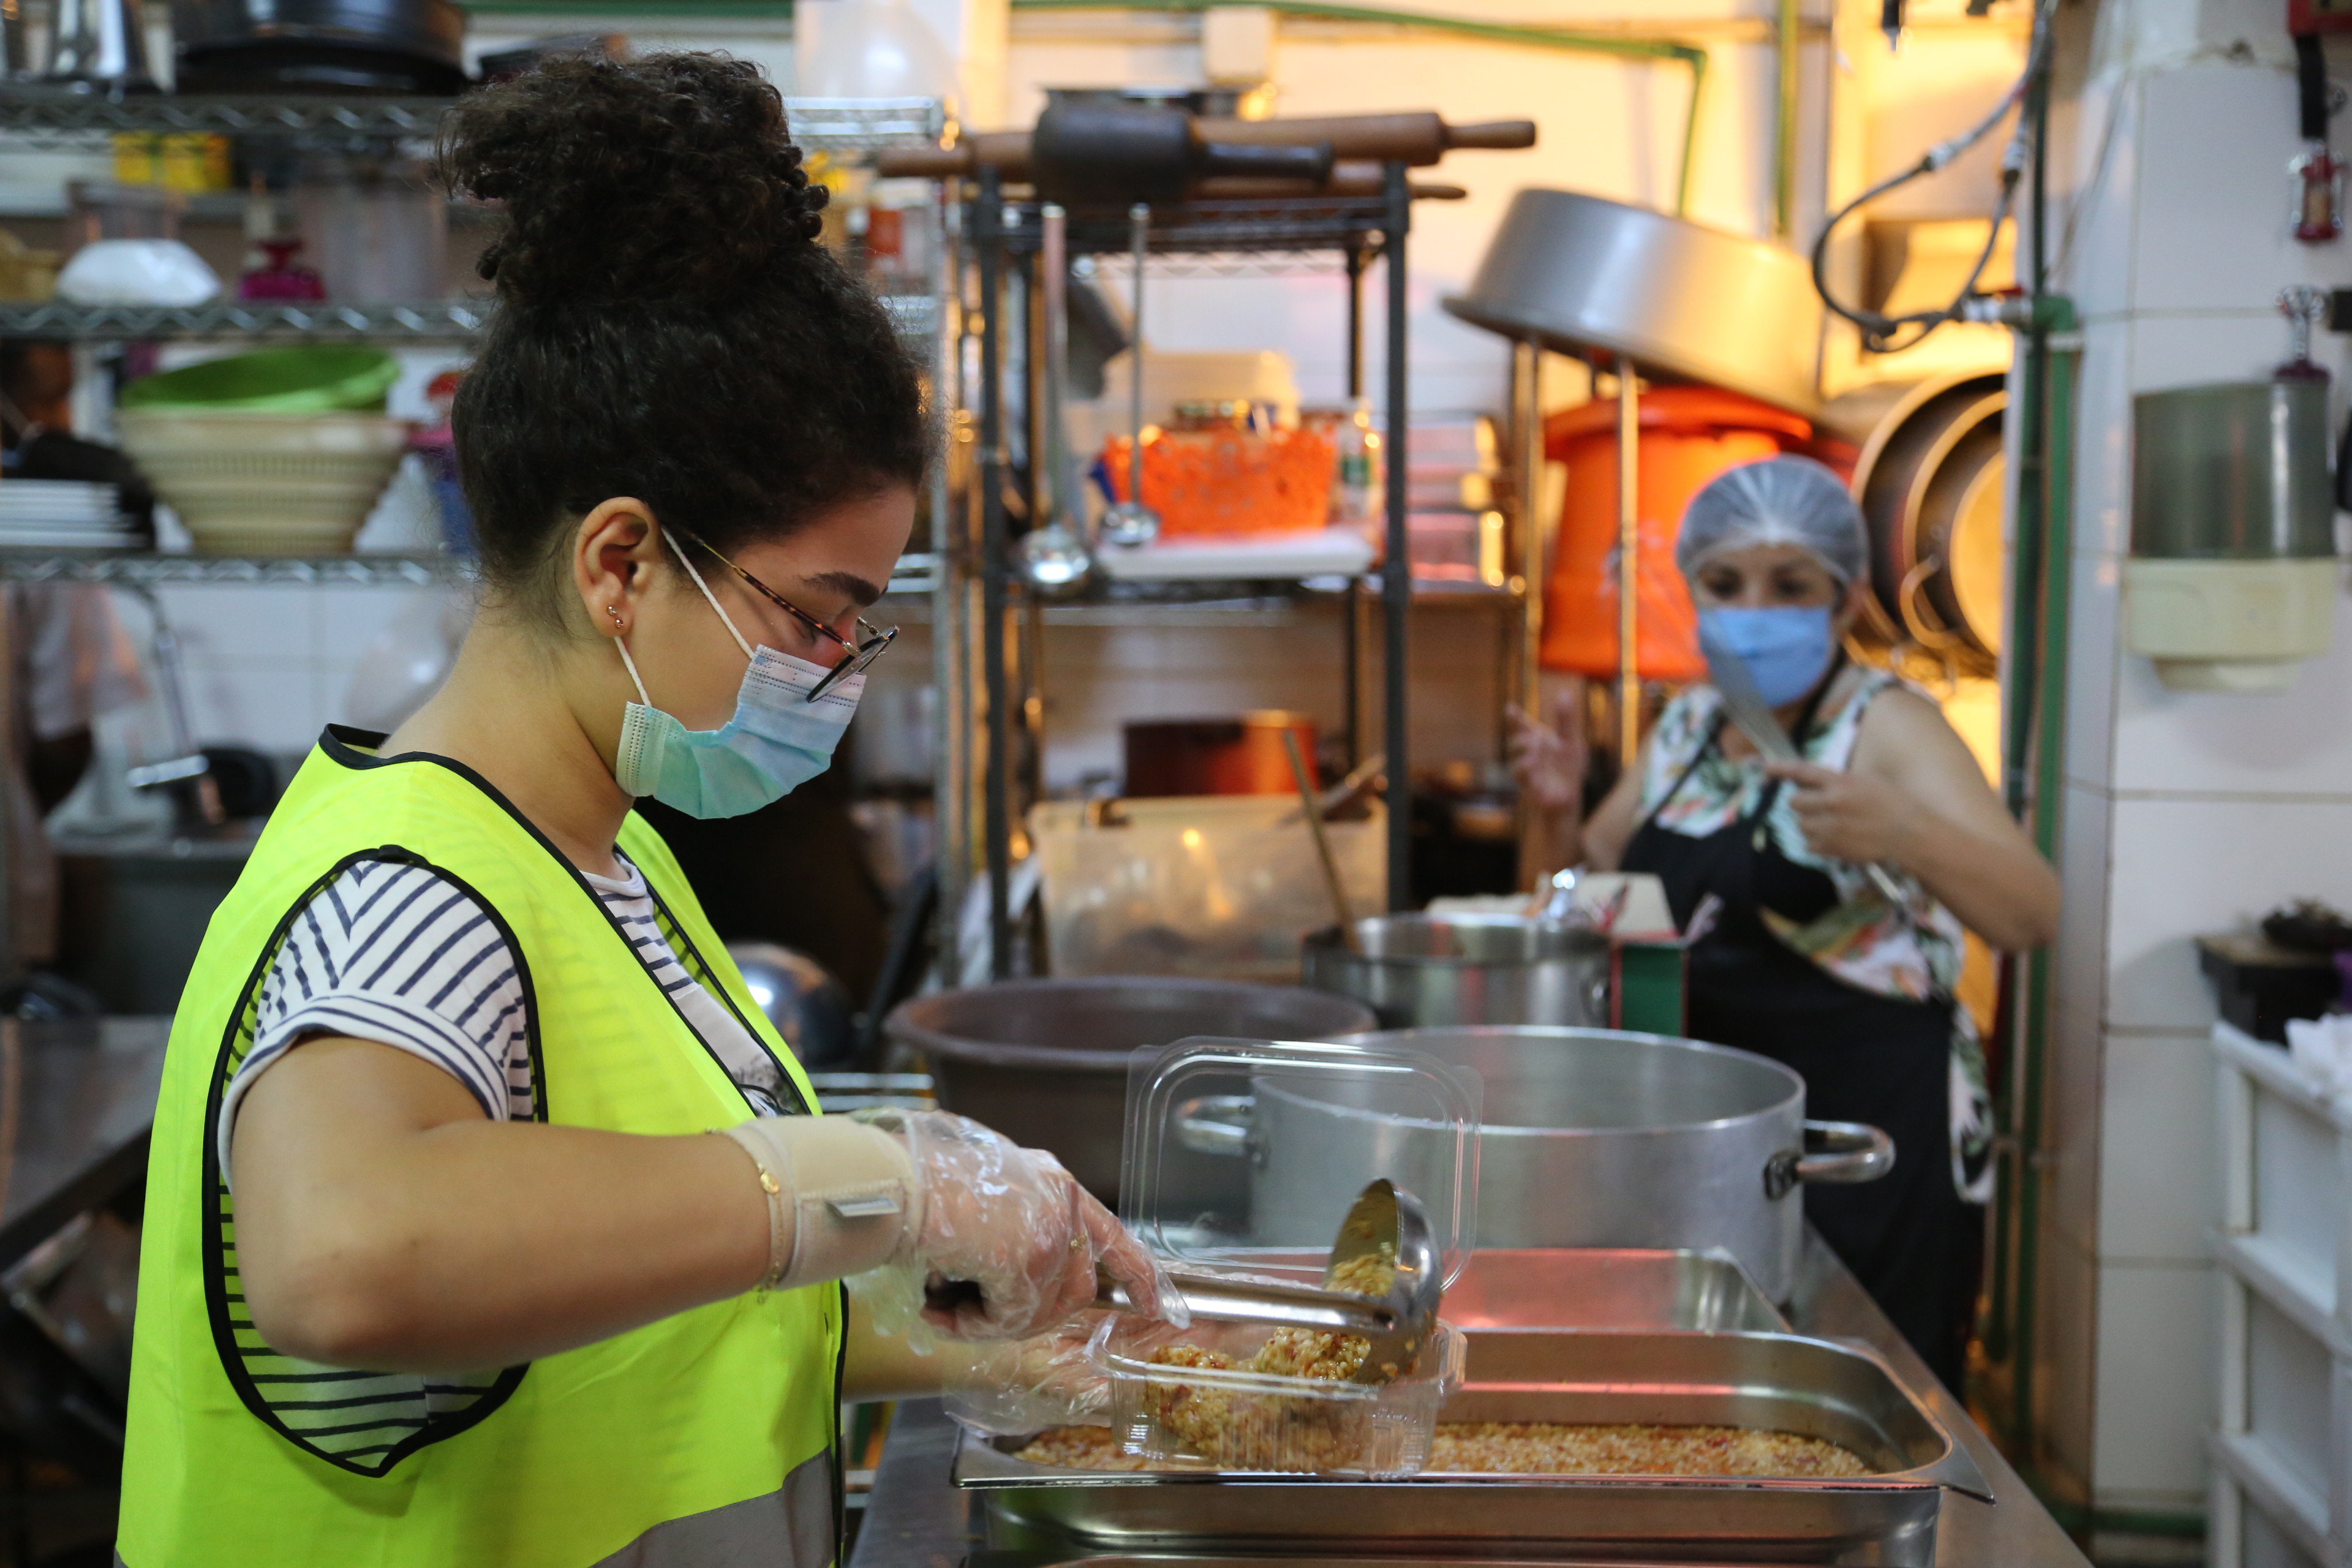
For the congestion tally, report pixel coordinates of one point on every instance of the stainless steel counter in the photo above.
(915, 1518)
(77, 1101)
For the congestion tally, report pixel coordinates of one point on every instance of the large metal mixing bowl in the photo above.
(1044, 1061)
(1575, 272)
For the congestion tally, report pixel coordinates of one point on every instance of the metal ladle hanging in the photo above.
(1056, 558)
(1130, 522)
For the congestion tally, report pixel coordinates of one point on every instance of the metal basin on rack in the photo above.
(1425, 971)
(1843, 1393)
(1044, 1061)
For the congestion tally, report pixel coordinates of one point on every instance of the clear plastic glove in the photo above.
(1006, 1244)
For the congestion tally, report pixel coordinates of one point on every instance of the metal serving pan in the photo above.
(1844, 1392)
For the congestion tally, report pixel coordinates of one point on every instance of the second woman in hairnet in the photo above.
(1807, 960)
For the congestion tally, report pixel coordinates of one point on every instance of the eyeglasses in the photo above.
(857, 656)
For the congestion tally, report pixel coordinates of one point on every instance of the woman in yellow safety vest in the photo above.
(443, 1264)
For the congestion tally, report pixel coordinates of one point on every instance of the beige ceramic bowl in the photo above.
(266, 484)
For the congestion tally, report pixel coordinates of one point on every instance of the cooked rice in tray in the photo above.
(1539, 1448)
(1244, 1431)
(1543, 1448)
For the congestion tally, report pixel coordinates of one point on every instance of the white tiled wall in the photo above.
(2156, 1185)
(2070, 1176)
(2184, 813)
(267, 668)
(2065, 1359)
(2187, 865)
(2154, 1390)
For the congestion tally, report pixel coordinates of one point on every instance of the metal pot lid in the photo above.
(1188, 1115)
(1685, 302)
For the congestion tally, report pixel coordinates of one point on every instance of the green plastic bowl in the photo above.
(324, 379)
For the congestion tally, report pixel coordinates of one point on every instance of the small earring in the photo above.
(616, 613)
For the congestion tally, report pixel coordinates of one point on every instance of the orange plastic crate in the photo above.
(1211, 484)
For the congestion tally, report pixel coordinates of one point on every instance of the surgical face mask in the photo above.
(776, 741)
(1786, 647)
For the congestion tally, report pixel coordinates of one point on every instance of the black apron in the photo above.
(1864, 1057)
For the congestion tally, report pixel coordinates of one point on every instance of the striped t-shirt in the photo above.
(398, 955)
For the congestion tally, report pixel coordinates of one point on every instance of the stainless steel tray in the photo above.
(1840, 1391)
(1609, 1288)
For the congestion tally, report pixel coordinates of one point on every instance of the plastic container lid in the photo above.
(320, 379)
(1244, 1155)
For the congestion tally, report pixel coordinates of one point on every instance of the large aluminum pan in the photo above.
(1574, 272)
(1779, 1382)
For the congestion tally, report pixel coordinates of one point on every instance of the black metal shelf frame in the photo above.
(1234, 239)
(917, 572)
(427, 321)
(42, 117)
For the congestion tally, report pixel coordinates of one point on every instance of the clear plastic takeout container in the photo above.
(1230, 1417)
(1242, 1159)
(1244, 1155)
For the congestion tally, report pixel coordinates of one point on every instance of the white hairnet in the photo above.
(1781, 500)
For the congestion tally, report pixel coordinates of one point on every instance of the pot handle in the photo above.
(1215, 1124)
(1850, 1152)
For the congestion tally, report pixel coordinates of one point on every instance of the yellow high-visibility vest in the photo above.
(706, 1437)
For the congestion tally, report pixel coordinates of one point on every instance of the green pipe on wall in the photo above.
(1784, 124)
(1661, 50)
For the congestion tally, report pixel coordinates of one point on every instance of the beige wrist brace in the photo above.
(841, 1196)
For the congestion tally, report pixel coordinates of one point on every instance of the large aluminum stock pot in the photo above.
(1592, 1138)
(1424, 971)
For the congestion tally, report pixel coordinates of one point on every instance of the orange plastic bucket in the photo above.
(1688, 434)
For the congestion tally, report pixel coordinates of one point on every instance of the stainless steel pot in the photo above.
(1433, 970)
(1044, 1061)
(1592, 1138)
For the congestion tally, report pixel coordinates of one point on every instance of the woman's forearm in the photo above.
(1995, 883)
(471, 1244)
(1555, 839)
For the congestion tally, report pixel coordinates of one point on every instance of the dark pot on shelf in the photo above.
(320, 46)
(1044, 1061)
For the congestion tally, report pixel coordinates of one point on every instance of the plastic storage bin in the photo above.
(1217, 887)
(1224, 483)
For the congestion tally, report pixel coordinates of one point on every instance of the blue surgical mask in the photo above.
(1786, 647)
(776, 741)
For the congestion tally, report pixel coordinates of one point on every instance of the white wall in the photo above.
(2184, 813)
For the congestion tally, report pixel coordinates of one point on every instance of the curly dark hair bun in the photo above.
(668, 175)
(668, 327)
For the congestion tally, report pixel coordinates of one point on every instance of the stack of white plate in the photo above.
(62, 514)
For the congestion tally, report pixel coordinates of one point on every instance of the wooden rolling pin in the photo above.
(1420, 138)
(1349, 179)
